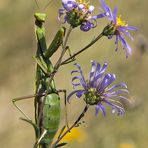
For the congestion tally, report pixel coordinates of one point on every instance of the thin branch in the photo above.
(83, 49)
(70, 128)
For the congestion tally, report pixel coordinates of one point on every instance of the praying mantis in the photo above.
(46, 98)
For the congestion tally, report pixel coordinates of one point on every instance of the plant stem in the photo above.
(57, 65)
(83, 49)
(73, 125)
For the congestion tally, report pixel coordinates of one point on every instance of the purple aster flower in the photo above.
(118, 27)
(78, 13)
(97, 91)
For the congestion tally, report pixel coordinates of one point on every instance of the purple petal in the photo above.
(81, 6)
(116, 86)
(101, 107)
(107, 80)
(78, 92)
(92, 72)
(125, 31)
(86, 26)
(119, 109)
(61, 12)
(100, 15)
(127, 48)
(122, 97)
(115, 14)
(74, 71)
(107, 10)
(82, 80)
(91, 8)
(133, 28)
(69, 5)
(116, 42)
(116, 93)
(99, 73)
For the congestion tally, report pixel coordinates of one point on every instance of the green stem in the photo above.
(73, 125)
(83, 49)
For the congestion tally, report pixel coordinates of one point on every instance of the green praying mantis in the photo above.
(46, 98)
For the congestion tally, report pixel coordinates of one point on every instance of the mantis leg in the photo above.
(71, 59)
(65, 103)
(39, 140)
(67, 48)
(18, 99)
(24, 98)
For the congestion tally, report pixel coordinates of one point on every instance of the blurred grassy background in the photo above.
(17, 46)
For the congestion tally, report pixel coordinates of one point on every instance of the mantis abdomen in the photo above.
(51, 113)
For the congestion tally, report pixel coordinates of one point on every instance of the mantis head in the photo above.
(40, 17)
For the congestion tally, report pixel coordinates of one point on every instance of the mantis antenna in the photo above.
(37, 4)
(47, 4)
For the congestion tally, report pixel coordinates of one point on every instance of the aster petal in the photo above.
(117, 39)
(62, 18)
(107, 10)
(99, 73)
(82, 80)
(122, 97)
(75, 84)
(61, 12)
(100, 15)
(103, 69)
(116, 93)
(92, 72)
(115, 96)
(77, 92)
(116, 86)
(115, 14)
(91, 8)
(116, 42)
(69, 5)
(119, 109)
(114, 102)
(95, 74)
(80, 93)
(122, 91)
(133, 28)
(107, 80)
(101, 107)
(125, 31)
(86, 26)
(74, 71)
(81, 6)
(127, 48)
(66, 1)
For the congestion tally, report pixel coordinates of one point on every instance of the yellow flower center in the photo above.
(120, 22)
(84, 2)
